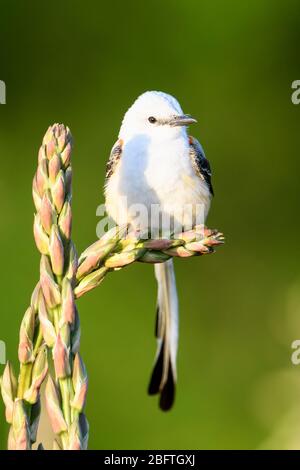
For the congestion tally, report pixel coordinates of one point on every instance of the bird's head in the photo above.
(156, 115)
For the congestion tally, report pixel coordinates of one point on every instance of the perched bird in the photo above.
(158, 181)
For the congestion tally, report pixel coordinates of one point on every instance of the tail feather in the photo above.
(164, 375)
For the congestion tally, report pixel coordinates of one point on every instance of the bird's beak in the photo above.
(184, 120)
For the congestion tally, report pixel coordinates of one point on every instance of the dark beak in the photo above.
(184, 120)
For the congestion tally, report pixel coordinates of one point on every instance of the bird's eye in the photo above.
(152, 120)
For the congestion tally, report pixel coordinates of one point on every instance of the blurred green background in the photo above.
(231, 65)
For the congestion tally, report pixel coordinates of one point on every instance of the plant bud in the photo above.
(47, 327)
(39, 372)
(20, 426)
(49, 287)
(56, 251)
(61, 351)
(72, 263)
(40, 236)
(90, 282)
(93, 258)
(58, 191)
(53, 407)
(68, 302)
(49, 135)
(47, 212)
(66, 155)
(8, 391)
(54, 167)
(41, 177)
(25, 352)
(65, 220)
(34, 301)
(35, 195)
(80, 384)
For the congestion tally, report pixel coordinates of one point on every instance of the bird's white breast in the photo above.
(160, 174)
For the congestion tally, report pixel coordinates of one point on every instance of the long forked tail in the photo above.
(164, 374)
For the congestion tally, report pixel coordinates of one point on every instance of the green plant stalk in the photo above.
(52, 193)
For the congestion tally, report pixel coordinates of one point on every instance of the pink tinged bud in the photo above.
(8, 391)
(92, 249)
(54, 167)
(40, 236)
(188, 236)
(20, 426)
(47, 212)
(25, 352)
(35, 297)
(56, 130)
(35, 195)
(49, 135)
(90, 259)
(68, 302)
(53, 407)
(58, 191)
(48, 329)
(61, 356)
(42, 153)
(66, 155)
(39, 372)
(51, 148)
(61, 141)
(42, 177)
(198, 247)
(204, 231)
(65, 220)
(215, 240)
(90, 282)
(49, 287)
(73, 263)
(87, 265)
(123, 259)
(180, 251)
(80, 384)
(56, 251)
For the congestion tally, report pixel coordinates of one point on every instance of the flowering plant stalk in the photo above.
(50, 329)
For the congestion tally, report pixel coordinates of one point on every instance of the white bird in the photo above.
(158, 181)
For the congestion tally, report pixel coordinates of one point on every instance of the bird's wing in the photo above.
(114, 158)
(200, 163)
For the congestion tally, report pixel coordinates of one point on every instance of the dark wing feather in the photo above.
(200, 163)
(114, 158)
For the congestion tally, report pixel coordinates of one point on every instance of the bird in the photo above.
(158, 182)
